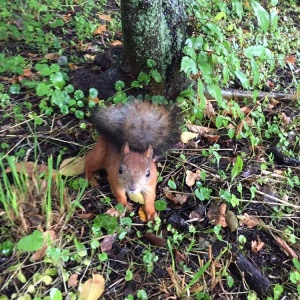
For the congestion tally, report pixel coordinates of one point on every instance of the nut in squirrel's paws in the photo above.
(137, 198)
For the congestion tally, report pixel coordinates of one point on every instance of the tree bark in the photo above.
(152, 29)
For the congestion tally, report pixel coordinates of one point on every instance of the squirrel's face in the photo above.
(134, 172)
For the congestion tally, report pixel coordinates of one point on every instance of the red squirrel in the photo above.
(130, 135)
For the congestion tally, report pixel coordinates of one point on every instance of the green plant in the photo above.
(149, 258)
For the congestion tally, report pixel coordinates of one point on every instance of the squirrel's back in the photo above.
(140, 124)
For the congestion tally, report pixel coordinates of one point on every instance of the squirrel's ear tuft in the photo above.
(125, 149)
(148, 153)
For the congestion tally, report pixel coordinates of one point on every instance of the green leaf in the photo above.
(219, 121)
(151, 63)
(278, 290)
(231, 133)
(136, 84)
(141, 294)
(80, 248)
(129, 275)
(107, 222)
(296, 263)
(14, 89)
(143, 77)
(55, 294)
(160, 205)
(103, 256)
(43, 89)
(69, 88)
(155, 75)
(43, 69)
(54, 68)
(191, 53)
(237, 167)
(216, 92)
(274, 18)
(200, 93)
(255, 71)
(32, 242)
(206, 70)
(7, 246)
(119, 85)
(93, 93)
(243, 79)
(58, 80)
(219, 16)
(172, 184)
(188, 66)
(79, 114)
(237, 7)
(262, 16)
(230, 281)
(95, 244)
(79, 94)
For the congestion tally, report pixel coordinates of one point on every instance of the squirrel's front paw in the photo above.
(151, 213)
(94, 183)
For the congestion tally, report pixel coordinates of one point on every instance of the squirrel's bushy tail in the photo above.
(140, 124)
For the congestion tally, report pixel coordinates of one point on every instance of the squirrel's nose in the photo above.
(132, 187)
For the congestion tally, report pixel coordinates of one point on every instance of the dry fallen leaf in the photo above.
(100, 29)
(73, 280)
(113, 212)
(191, 177)
(187, 136)
(72, 166)
(67, 18)
(246, 110)
(249, 221)
(256, 246)
(285, 247)
(290, 59)
(273, 103)
(216, 215)
(155, 240)
(116, 43)
(107, 242)
(286, 120)
(212, 137)
(209, 111)
(93, 288)
(176, 198)
(29, 168)
(52, 56)
(87, 216)
(231, 221)
(105, 17)
(27, 73)
(178, 256)
(201, 129)
(195, 215)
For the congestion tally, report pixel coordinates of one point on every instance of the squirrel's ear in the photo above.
(125, 149)
(148, 153)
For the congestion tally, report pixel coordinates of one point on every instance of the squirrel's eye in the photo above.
(120, 170)
(148, 173)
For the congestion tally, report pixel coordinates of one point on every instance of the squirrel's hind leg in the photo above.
(94, 162)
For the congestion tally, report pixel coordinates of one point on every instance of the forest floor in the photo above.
(228, 207)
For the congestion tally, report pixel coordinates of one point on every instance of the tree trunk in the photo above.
(152, 29)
